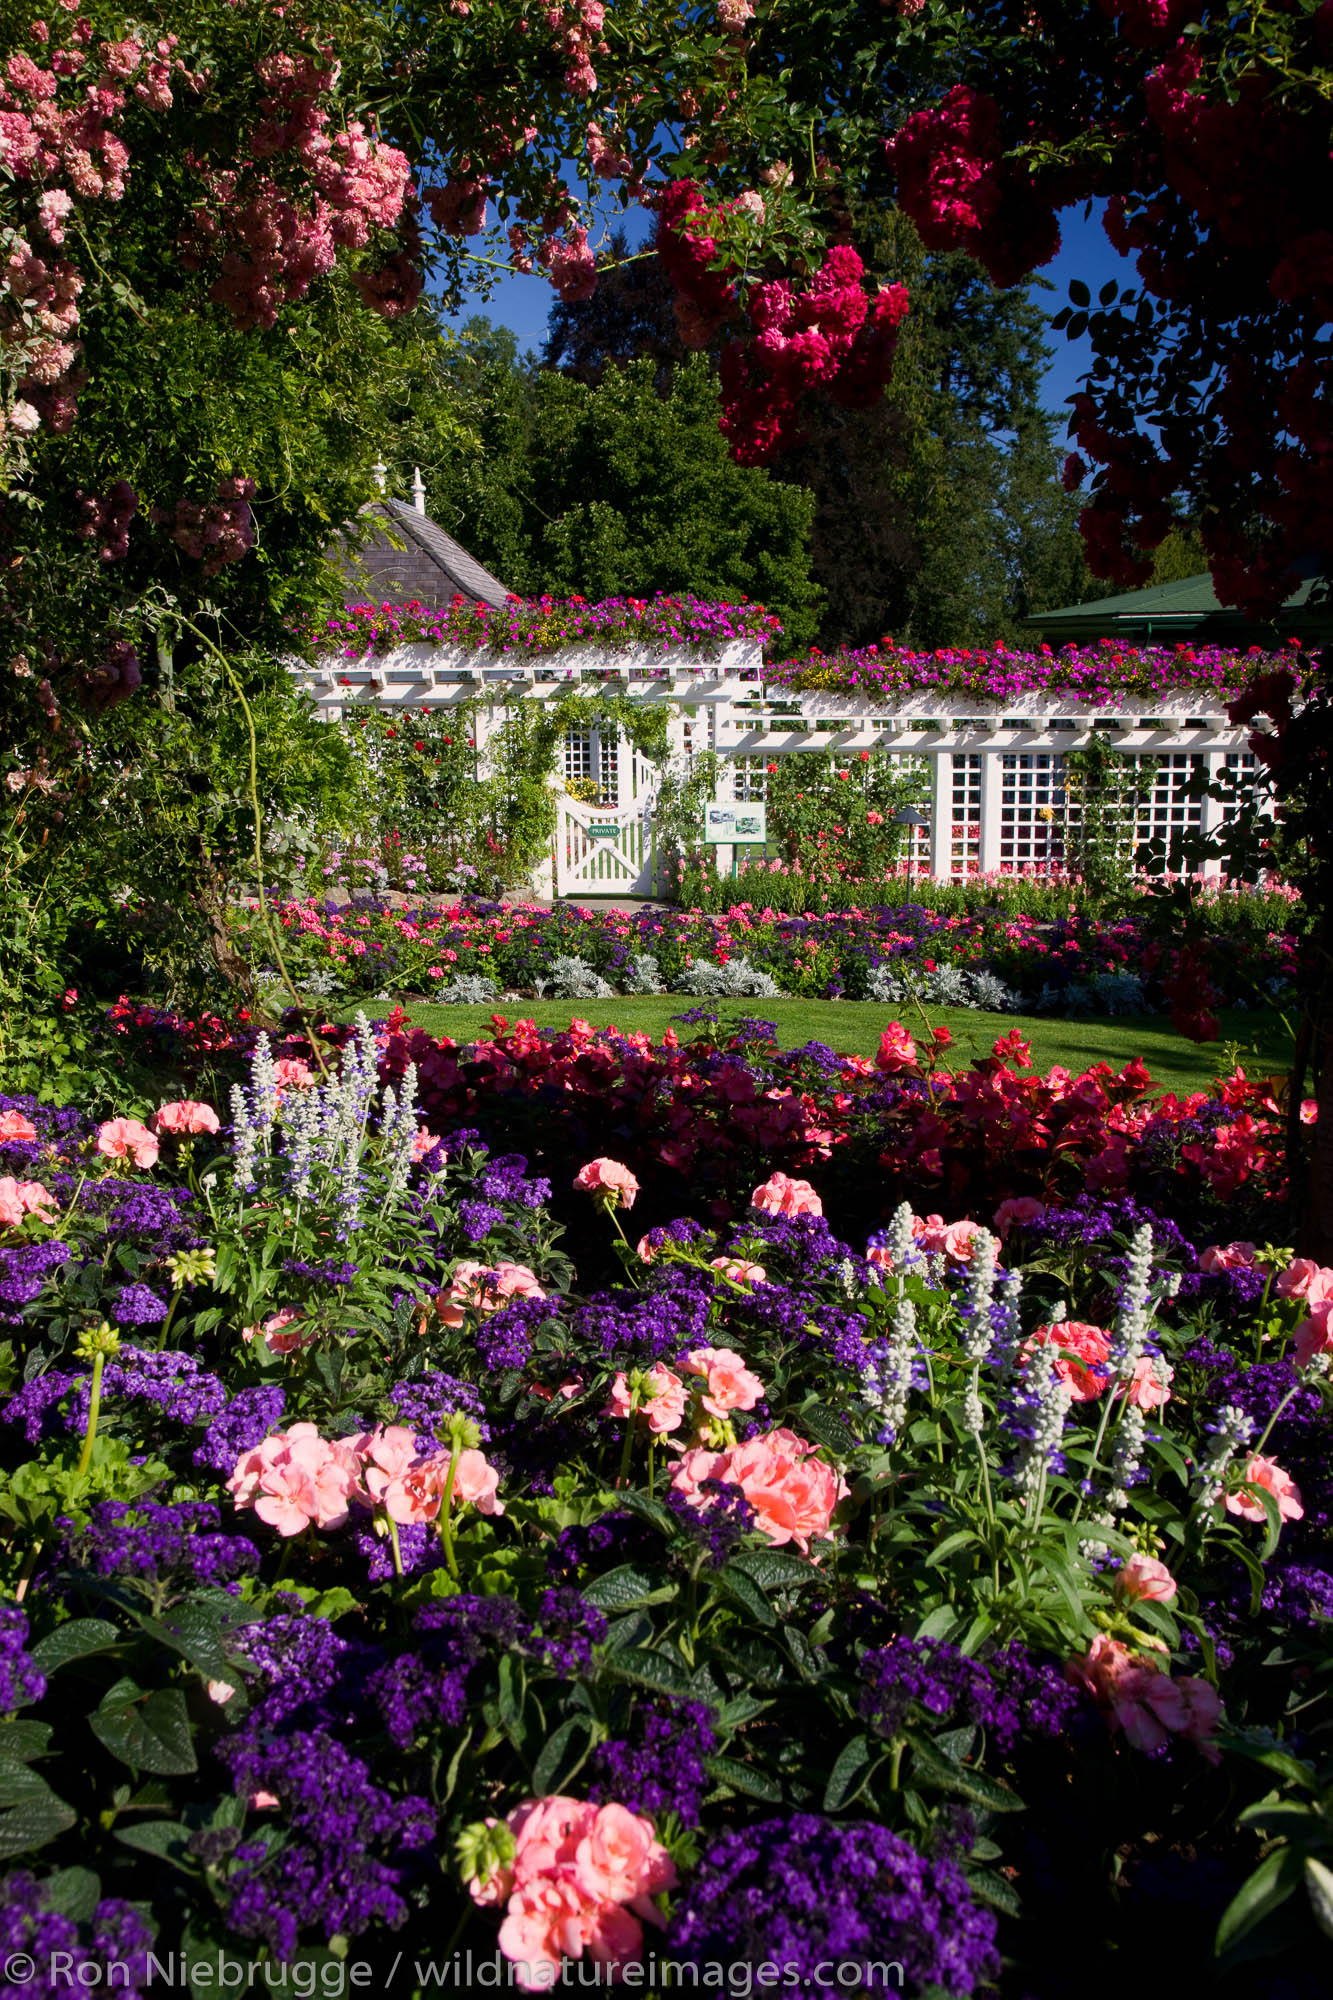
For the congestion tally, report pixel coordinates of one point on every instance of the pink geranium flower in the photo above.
(662, 1399)
(1228, 1257)
(14, 1126)
(793, 1493)
(1144, 1580)
(740, 1270)
(583, 1879)
(484, 1288)
(1019, 1209)
(1082, 1364)
(424, 1142)
(20, 1198)
(127, 1139)
(1304, 1279)
(283, 1331)
(296, 1479)
(780, 1195)
(293, 1073)
(186, 1117)
(1314, 1335)
(730, 1384)
(1267, 1474)
(1148, 1387)
(607, 1178)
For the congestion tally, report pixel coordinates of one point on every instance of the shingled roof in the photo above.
(430, 566)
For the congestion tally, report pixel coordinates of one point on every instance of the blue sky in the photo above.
(523, 303)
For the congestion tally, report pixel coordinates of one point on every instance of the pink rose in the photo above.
(731, 1386)
(1017, 1211)
(780, 1195)
(739, 1271)
(662, 1400)
(1144, 1580)
(1083, 1363)
(897, 1050)
(127, 1139)
(1267, 1474)
(14, 1126)
(616, 1184)
(20, 1198)
(186, 1116)
(1228, 1257)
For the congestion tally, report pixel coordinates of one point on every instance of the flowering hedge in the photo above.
(368, 948)
(539, 626)
(758, 1594)
(1112, 669)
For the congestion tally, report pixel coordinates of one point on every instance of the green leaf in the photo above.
(149, 1732)
(826, 1427)
(993, 1889)
(553, 1765)
(32, 1825)
(623, 1588)
(1272, 1882)
(650, 1670)
(744, 1778)
(648, 1509)
(20, 1742)
(848, 1774)
(942, 1623)
(74, 1640)
(196, 1634)
(772, 1570)
(20, 1784)
(74, 1892)
(746, 1592)
(932, 1767)
(166, 1838)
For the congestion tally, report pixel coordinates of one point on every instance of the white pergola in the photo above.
(995, 774)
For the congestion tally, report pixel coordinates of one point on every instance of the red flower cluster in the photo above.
(829, 333)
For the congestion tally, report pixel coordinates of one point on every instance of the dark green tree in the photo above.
(616, 489)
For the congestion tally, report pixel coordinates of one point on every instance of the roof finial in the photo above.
(418, 490)
(379, 472)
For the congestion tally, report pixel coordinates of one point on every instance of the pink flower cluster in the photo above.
(1082, 1363)
(296, 1479)
(19, 1199)
(998, 674)
(484, 1288)
(661, 1399)
(1312, 1285)
(792, 1492)
(1268, 1476)
(781, 1195)
(613, 1184)
(1137, 1695)
(961, 193)
(582, 1878)
(127, 1139)
(537, 626)
(217, 532)
(185, 1118)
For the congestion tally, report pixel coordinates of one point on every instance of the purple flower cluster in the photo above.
(659, 1767)
(250, 1417)
(479, 1218)
(504, 1338)
(328, 1877)
(570, 1628)
(330, 1272)
(24, 1269)
(174, 1383)
(21, 1679)
(720, 1525)
(142, 1538)
(429, 1684)
(60, 1951)
(1010, 1695)
(429, 1401)
(33, 1404)
(507, 1179)
(299, 1660)
(136, 1305)
(808, 1891)
(616, 1537)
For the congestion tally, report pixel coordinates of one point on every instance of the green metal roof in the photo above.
(1187, 608)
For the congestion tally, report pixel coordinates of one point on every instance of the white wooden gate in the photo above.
(604, 850)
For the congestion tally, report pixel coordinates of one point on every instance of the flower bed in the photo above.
(886, 673)
(538, 626)
(1055, 964)
(757, 1593)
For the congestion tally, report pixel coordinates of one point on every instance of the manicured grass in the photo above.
(853, 1028)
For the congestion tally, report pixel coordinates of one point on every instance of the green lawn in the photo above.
(853, 1028)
